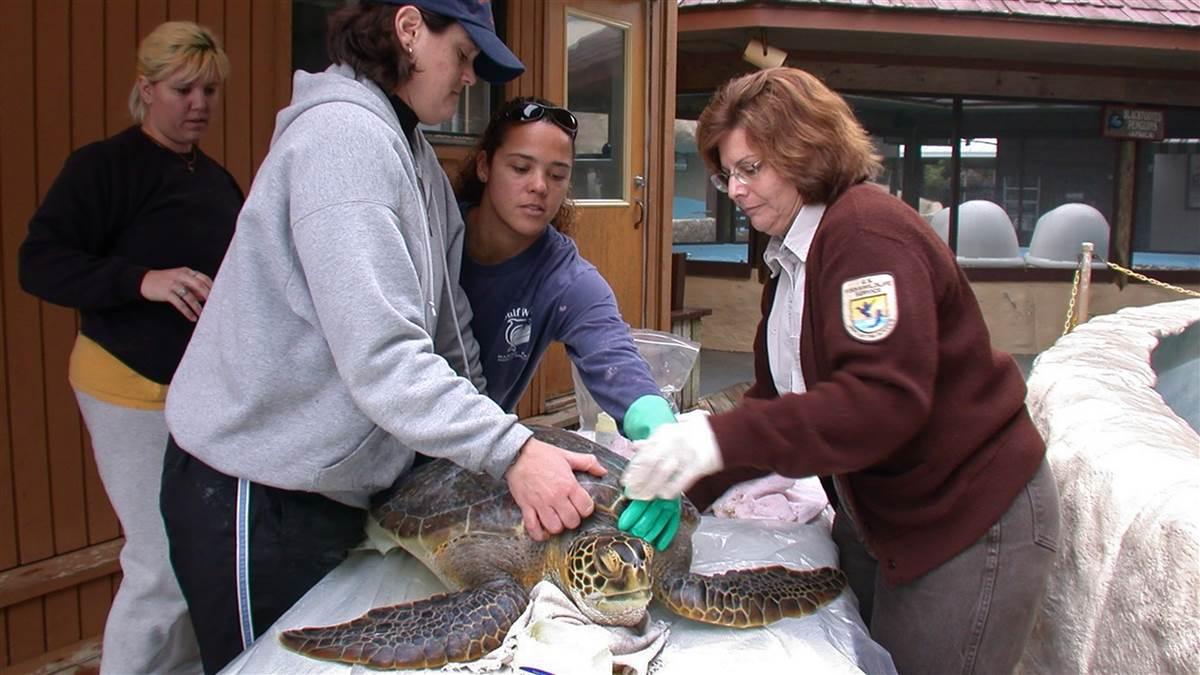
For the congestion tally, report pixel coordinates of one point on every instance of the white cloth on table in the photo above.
(553, 636)
(833, 640)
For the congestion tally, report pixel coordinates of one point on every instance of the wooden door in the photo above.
(596, 65)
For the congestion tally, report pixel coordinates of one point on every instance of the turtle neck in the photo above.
(408, 118)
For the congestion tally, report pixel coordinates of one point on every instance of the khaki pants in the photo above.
(974, 613)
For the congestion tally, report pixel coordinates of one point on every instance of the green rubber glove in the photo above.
(655, 520)
(645, 415)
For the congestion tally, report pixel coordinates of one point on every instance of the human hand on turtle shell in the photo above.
(542, 482)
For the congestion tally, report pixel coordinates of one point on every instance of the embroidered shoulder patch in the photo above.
(869, 307)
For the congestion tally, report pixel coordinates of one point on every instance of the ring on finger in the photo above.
(181, 291)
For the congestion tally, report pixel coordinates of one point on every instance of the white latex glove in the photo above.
(674, 457)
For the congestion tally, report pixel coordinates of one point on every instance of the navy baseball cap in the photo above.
(495, 63)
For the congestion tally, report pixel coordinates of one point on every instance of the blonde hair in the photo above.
(177, 47)
(799, 126)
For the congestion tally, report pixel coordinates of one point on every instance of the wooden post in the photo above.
(1121, 246)
(1085, 282)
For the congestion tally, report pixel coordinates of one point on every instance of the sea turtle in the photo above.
(467, 529)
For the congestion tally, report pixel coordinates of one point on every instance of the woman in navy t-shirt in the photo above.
(528, 285)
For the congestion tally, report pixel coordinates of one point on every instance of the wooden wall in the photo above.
(67, 68)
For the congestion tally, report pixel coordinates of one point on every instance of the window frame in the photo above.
(1024, 273)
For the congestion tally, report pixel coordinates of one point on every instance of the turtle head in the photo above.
(608, 576)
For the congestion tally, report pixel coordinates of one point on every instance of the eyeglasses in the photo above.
(744, 173)
(532, 112)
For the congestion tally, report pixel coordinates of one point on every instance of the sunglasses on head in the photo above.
(532, 112)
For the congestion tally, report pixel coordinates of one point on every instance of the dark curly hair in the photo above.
(467, 185)
(363, 37)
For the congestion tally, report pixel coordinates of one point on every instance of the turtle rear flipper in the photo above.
(750, 597)
(427, 633)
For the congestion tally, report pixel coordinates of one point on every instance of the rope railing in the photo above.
(1077, 307)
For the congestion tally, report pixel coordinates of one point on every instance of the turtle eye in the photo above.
(607, 561)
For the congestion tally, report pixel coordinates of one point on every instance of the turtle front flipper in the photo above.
(427, 633)
(750, 597)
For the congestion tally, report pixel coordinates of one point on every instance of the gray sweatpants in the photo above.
(974, 613)
(148, 629)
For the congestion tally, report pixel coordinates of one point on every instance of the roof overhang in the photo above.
(844, 32)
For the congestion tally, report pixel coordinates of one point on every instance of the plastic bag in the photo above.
(671, 359)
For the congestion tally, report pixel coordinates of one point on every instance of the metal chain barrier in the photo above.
(1153, 282)
(1073, 320)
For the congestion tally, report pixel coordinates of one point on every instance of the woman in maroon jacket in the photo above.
(874, 370)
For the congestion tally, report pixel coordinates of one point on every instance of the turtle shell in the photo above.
(466, 528)
(440, 500)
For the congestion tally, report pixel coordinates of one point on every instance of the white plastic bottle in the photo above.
(606, 429)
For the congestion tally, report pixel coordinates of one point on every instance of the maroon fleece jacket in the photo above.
(927, 427)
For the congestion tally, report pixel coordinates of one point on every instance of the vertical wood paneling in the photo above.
(120, 62)
(4, 656)
(526, 21)
(66, 434)
(89, 101)
(262, 59)
(26, 630)
(88, 86)
(22, 327)
(54, 141)
(661, 172)
(181, 10)
(150, 13)
(211, 14)
(68, 67)
(99, 100)
(238, 92)
(62, 618)
(10, 16)
(282, 67)
(95, 598)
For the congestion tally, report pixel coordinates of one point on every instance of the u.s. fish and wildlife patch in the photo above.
(870, 307)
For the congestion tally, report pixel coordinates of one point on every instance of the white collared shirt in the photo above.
(786, 257)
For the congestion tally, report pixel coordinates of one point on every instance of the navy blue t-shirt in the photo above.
(549, 292)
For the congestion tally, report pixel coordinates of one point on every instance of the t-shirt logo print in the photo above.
(517, 332)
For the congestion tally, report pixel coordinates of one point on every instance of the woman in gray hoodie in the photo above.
(335, 342)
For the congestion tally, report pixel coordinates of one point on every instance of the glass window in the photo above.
(1018, 161)
(471, 117)
(1047, 155)
(309, 54)
(596, 93)
(706, 224)
(1166, 230)
(912, 134)
(1034, 180)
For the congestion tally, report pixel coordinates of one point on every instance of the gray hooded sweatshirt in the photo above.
(336, 339)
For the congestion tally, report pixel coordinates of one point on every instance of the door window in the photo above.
(597, 73)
